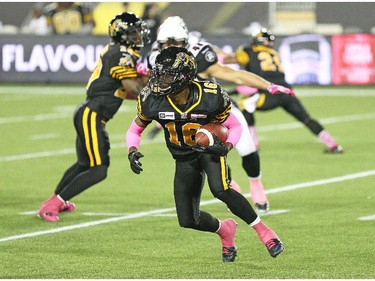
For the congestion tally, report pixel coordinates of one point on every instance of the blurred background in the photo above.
(320, 42)
(227, 18)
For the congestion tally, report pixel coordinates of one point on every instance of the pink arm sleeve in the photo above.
(234, 128)
(133, 135)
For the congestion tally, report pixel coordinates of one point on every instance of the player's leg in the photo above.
(251, 164)
(248, 106)
(294, 107)
(69, 175)
(188, 184)
(219, 185)
(233, 183)
(93, 153)
(92, 147)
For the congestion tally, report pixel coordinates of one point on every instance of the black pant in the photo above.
(188, 184)
(92, 147)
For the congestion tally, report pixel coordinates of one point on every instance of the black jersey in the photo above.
(104, 88)
(207, 102)
(263, 61)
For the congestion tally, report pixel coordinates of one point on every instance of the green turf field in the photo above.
(323, 206)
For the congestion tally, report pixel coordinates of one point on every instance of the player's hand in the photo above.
(135, 165)
(141, 69)
(218, 148)
(273, 89)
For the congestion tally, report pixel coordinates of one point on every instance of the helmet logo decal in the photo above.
(184, 59)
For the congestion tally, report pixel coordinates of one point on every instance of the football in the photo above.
(204, 136)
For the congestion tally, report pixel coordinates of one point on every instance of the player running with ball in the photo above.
(181, 105)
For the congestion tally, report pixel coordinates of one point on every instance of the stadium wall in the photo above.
(347, 59)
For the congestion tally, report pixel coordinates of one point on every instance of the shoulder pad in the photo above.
(200, 47)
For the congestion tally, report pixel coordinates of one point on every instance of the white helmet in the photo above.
(173, 29)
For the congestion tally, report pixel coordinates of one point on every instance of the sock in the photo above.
(257, 190)
(264, 232)
(222, 231)
(326, 138)
(235, 186)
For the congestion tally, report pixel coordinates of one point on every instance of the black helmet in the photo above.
(129, 30)
(263, 37)
(175, 68)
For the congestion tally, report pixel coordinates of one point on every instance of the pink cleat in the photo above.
(50, 208)
(269, 238)
(68, 207)
(227, 231)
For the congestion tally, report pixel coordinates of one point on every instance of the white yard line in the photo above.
(166, 210)
(367, 218)
(270, 128)
(50, 116)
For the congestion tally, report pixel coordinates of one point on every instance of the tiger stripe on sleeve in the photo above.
(121, 72)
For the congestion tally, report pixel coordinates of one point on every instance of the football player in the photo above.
(114, 79)
(69, 18)
(181, 105)
(261, 58)
(173, 31)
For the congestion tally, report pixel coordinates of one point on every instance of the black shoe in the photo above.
(262, 207)
(229, 254)
(335, 150)
(152, 134)
(275, 247)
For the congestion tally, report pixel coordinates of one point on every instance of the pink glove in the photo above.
(141, 69)
(273, 89)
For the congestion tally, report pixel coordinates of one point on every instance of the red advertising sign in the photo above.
(353, 59)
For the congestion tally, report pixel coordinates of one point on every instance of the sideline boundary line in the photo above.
(203, 203)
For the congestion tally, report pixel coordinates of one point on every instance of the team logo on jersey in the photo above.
(210, 56)
(198, 116)
(166, 115)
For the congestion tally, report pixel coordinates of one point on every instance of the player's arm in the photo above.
(229, 58)
(134, 133)
(242, 77)
(229, 120)
(239, 77)
(133, 140)
(134, 86)
(234, 131)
